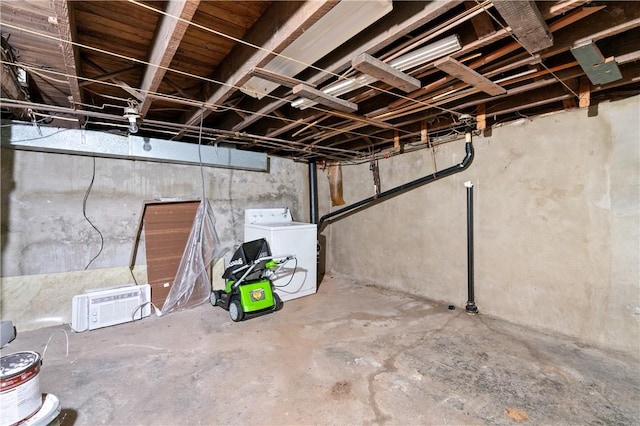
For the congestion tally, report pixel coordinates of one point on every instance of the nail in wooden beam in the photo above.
(384, 72)
(527, 24)
(316, 95)
(469, 76)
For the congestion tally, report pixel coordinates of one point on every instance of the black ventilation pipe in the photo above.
(313, 191)
(471, 307)
(360, 205)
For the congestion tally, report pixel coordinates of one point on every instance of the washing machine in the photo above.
(285, 236)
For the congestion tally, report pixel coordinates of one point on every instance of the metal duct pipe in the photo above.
(471, 307)
(313, 191)
(466, 162)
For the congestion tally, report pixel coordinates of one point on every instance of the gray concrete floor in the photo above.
(351, 354)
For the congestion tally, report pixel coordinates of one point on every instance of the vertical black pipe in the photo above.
(313, 192)
(471, 304)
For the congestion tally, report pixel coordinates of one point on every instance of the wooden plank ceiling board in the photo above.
(88, 58)
(367, 64)
(469, 76)
(324, 99)
(527, 24)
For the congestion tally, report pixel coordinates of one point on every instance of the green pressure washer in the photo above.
(248, 287)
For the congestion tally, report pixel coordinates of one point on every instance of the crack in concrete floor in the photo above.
(351, 354)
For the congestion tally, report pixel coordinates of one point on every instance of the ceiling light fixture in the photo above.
(337, 26)
(132, 114)
(428, 53)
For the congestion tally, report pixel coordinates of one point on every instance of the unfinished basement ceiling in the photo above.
(265, 76)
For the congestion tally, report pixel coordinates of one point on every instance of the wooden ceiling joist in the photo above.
(320, 97)
(275, 30)
(527, 24)
(469, 76)
(369, 65)
(274, 77)
(407, 17)
(168, 36)
(482, 23)
(66, 30)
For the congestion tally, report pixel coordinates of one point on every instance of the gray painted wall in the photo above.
(557, 225)
(44, 230)
(47, 243)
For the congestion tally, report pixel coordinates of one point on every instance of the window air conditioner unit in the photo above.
(105, 307)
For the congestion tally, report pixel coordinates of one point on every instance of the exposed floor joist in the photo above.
(167, 40)
(275, 30)
(469, 76)
(65, 22)
(527, 24)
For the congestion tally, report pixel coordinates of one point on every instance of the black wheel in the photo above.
(214, 298)
(277, 302)
(235, 311)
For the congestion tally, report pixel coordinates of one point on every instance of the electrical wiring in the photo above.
(84, 213)
(272, 52)
(44, 351)
(148, 64)
(291, 277)
(198, 104)
(39, 137)
(512, 35)
(236, 136)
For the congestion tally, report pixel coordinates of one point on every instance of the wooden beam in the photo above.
(320, 97)
(109, 75)
(165, 44)
(274, 77)
(70, 53)
(396, 141)
(369, 65)
(628, 57)
(261, 113)
(482, 23)
(481, 117)
(124, 86)
(527, 24)
(303, 121)
(565, 6)
(274, 31)
(584, 93)
(469, 76)
(407, 16)
(424, 134)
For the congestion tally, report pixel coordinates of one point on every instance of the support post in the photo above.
(471, 307)
(313, 192)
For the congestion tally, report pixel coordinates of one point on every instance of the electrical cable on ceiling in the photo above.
(481, 5)
(214, 107)
(166, 68)
(84, 213)
(272, 52)
(512, 35)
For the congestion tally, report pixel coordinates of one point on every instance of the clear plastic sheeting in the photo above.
(192, 284)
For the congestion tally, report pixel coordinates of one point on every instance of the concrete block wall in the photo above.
(557, 225)
(47, 243)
